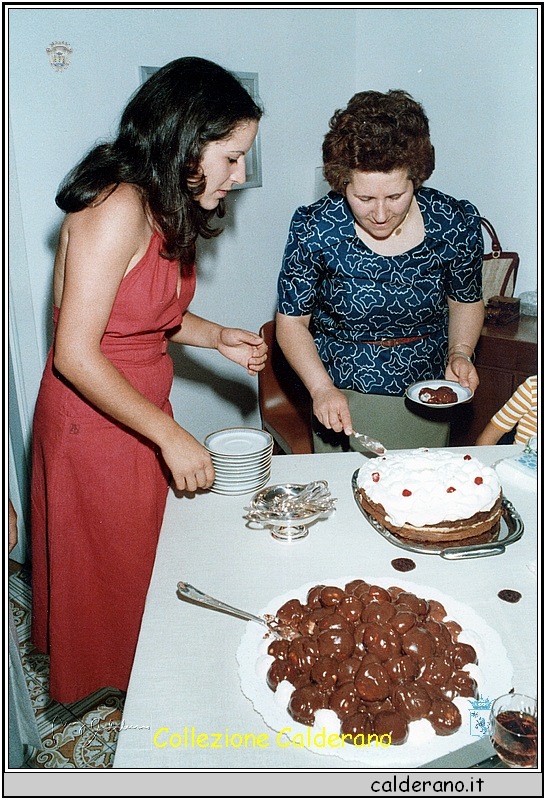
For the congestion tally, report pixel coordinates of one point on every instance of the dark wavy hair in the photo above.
(159, 145)
(378, 133)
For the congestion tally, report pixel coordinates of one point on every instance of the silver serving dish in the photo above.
(288, 509)
(511, 529)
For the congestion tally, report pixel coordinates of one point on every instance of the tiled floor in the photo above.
(81, 735)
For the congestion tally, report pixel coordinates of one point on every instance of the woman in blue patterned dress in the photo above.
(380, 285)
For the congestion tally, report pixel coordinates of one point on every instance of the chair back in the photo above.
(285, 403)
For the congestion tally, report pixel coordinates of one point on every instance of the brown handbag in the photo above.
(500, 269)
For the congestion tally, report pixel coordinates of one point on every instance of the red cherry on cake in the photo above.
(478, 481)
(467, 458)
(406, 493)
(375, 476)
(450, 489)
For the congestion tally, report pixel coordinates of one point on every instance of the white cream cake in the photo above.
(430, 495)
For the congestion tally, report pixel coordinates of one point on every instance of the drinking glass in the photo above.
(514, 730)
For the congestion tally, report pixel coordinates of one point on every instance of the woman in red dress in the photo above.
(105, 444)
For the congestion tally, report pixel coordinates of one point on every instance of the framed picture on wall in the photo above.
(253, 158)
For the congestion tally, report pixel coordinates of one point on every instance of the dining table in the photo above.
(186, 680)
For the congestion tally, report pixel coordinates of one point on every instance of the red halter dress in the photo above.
(99, 491)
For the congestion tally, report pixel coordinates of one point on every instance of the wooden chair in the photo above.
(285, 404)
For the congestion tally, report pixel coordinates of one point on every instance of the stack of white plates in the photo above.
(241, 459)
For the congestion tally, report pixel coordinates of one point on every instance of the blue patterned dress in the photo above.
(357, 296)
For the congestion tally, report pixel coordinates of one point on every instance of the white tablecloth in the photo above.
(185, 673)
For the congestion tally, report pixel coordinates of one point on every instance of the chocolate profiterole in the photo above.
(438, 397)
(379, 658)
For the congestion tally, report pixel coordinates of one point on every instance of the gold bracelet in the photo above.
(462, 344)
(459, 354)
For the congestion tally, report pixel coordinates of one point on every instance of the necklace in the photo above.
(397, 231)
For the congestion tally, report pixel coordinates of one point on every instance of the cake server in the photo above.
(370, 444)
(186, 590)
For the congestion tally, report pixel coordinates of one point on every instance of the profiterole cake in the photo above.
(378, 658)
(441, 396)
(431, 495)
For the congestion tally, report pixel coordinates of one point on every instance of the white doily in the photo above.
(493, 675)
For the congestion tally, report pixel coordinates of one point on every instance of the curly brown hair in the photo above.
(378, 133)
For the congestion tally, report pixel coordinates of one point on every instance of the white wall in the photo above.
(474, 70)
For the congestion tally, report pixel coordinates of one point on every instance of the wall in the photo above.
(474, 70)
(24, 364)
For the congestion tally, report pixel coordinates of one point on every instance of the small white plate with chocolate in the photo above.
(438, 393)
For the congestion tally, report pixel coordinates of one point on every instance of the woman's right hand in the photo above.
(331, 408)
(190, 463)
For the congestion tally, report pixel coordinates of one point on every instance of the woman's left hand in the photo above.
(244, 348)
(462, 371)
(465, 326)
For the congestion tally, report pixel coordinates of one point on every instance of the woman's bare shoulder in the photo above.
(105, 240)
(119, 209)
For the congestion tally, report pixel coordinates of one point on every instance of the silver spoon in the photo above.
(186, 590)
(312, 491)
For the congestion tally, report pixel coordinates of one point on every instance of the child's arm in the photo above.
(490, 435)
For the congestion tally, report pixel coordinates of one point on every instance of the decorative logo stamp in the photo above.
(59, 55)
(479, 716)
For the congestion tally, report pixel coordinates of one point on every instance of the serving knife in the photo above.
(370, 444)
